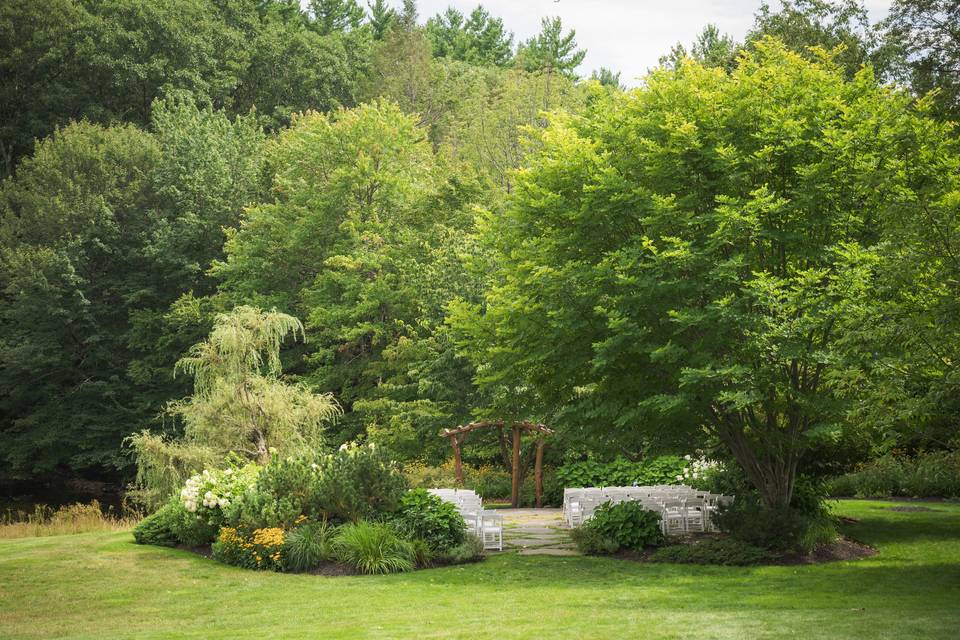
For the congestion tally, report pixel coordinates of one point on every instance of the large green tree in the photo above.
(100, 231)
(551, 50)
(73, 228)
(925, 35)
(361, 240)
(684, 261)
(108, 60)
(478, 38)
(804, 24)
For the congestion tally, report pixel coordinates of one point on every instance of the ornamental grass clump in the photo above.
(373, 547)
(308, 546)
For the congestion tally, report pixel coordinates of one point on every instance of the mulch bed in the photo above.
(909, 509)
(842, 549)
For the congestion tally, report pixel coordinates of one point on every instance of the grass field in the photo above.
(101, 585)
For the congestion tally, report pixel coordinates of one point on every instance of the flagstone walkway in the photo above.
(533, 532)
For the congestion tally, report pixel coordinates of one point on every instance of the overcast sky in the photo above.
(628, 36)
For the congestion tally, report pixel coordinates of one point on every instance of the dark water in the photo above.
(25, 496)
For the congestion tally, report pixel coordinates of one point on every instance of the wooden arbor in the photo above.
(458, 434)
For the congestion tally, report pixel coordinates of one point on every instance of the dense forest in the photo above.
(758, 247)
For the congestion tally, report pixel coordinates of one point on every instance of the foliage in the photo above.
(674, 266)
(807, 26)
(923, 36)
(479, 39)
(209, 494)
(239, 406)
(934, 474)
(262, 549)
(622, 472)
(470, 550)
(426, 517)
(359, 482)
(380, 18)
(422, 552)
(802, 526)
(591, 542)
(108, 61)
(723, 551)
(74, 225)
(551, 50)
(308, 545)
(191, 529)
(359, 226)
(627, 525)
(284, 493)
(373, 547)
(778, 529)
(157, 528)
(711, 49)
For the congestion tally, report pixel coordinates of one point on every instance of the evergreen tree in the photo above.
(479, 39)
(381, 17)
(551, 50)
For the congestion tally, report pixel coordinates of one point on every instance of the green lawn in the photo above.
(104, 586)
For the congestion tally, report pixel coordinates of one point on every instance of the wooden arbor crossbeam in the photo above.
(457, 435)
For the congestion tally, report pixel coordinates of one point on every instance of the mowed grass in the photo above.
(102, 585)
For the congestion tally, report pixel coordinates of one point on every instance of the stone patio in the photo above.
(536, 532)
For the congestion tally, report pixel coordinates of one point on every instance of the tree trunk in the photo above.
(773, 471)
(538, 473)
(515, 475)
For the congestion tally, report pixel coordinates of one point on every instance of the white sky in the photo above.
(628, 36)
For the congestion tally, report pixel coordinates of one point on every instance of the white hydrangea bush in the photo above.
(697, 468)
(208, 493)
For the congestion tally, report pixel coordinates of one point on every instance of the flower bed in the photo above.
(350, 510)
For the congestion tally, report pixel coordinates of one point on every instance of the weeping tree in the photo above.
(240, 406)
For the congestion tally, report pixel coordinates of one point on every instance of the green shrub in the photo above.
(492, 484)
(621, 472)
(592, 542)
(285, 489)
(422, 552)
(926, 475)
(426, 517)
(192, 529)
(158, 528)
(801, 527)
(308, 546)
(725, 552)
(627, 524)
(357, 483)
(470, 550)
(373, 547)
(787, 529)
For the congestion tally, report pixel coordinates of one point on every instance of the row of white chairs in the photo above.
(484, 523)
(682, 509)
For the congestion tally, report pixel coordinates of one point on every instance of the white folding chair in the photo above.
(672, 517)
(491, 530)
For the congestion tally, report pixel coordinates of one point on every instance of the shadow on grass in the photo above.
(887, 527)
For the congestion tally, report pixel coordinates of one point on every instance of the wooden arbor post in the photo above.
(456, 437)
(455, 441)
